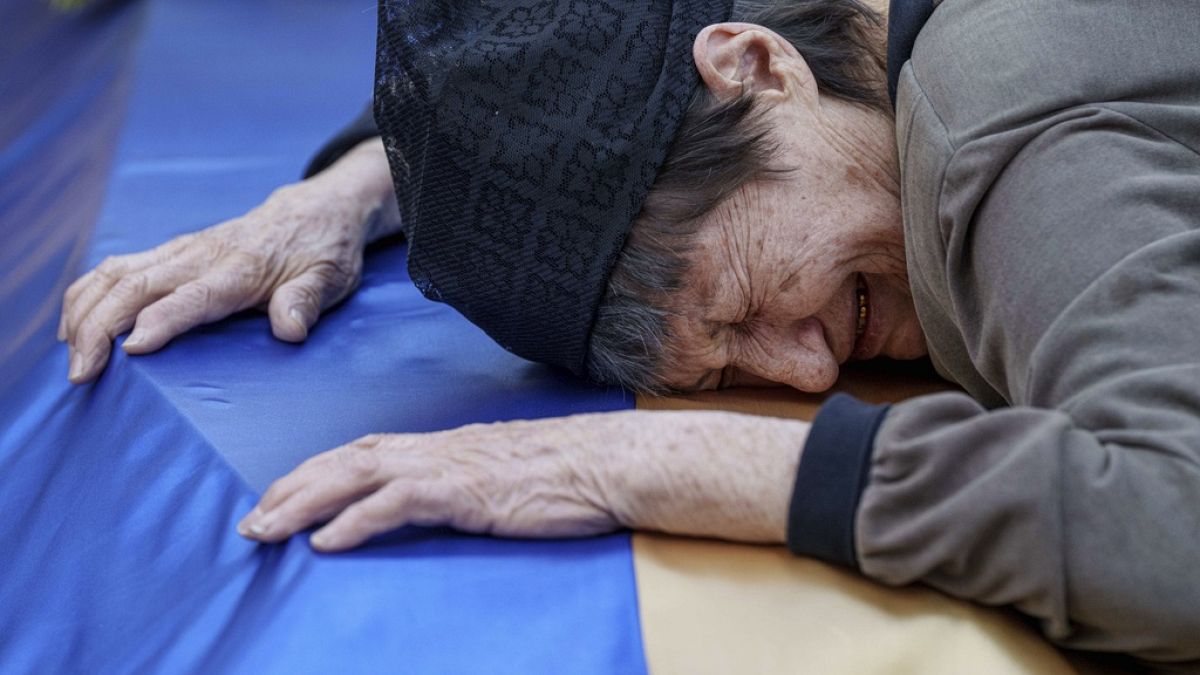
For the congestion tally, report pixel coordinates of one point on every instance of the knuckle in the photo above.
(336, 274)
(73, 291)
(132, 287)
(197, 294)
(244, 261)
(271, 496)
(361, 463)
(91, 330)
(305, 294)
(112, 267)
(317, 460)
(361, 518)
(151, 317)
(93, 347)
(369, 442)
(109, 265)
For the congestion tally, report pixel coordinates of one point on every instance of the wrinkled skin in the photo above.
(295, 255)
(564, 477)
(771, 296)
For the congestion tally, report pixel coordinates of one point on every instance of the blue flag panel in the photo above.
(118, 500)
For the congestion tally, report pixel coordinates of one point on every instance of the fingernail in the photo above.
(320, 539)
(243, 526)
(76, 367)
(298, 317)
(258, 523)
(136, 338)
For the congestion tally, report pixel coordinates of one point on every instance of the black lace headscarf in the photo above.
(523, 136)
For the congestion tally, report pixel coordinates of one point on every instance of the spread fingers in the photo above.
(210, 298)
(112, 313)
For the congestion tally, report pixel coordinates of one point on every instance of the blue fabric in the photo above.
(118, 500)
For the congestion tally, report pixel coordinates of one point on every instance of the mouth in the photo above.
(863, 307)
(863, 296)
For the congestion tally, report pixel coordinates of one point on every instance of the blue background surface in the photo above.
(119, 499)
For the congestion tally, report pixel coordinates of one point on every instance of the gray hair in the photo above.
(720, 146)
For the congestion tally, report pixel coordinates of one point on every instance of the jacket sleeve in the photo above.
(1093, 529)
(362, 128)
(1079, 504)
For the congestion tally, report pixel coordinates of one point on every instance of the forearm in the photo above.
(703, 474)
(710, 474)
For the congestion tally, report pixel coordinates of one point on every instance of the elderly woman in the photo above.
(688, 195)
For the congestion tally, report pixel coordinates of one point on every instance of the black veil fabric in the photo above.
(523, 136)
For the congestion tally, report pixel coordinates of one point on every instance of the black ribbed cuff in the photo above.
(832, 476)
(362, 128)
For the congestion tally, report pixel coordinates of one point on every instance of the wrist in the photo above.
(711, 474)
(362, 179)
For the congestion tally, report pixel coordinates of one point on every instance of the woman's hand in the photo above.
(697, 473)
(295, 255)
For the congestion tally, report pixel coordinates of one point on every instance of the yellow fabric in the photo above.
(715, 607)
(712, 607)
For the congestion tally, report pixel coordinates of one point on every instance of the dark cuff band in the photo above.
(831, 479)
(362, 128)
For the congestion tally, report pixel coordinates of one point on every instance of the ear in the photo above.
(737, 58)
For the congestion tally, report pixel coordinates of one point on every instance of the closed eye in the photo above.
(711, 379)
(727, 377)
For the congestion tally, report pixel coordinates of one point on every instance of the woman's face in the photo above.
(796, 274)
(786, 285)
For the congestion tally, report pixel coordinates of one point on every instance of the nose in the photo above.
(796, 354)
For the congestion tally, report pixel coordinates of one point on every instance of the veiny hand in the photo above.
(295, 255)
(698, 473)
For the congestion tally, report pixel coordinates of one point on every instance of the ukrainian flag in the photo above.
(131, 123)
